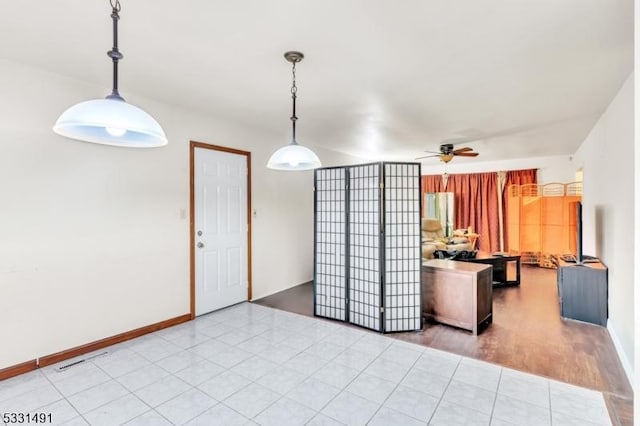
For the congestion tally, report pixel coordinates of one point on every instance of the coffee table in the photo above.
(500, 265)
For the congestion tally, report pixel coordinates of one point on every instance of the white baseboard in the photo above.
(626, 365)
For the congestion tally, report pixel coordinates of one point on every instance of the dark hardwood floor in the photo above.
(527, 334)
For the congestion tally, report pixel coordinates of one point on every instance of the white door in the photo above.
(220, 212)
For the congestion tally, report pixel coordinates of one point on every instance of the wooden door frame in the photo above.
(192, 252)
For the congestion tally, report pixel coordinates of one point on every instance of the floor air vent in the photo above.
(76, 362)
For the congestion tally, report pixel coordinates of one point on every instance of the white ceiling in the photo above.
(380, 79)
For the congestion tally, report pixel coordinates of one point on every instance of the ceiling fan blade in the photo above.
(433, 152)
(466, 154)
(428, 156)
(465, 149)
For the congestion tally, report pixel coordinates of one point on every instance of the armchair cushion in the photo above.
(432, 225)
(428, 250)
(459, 240)
(431, 230)
(433, 239)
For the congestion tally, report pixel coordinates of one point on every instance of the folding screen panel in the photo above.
(367, 245)
(402, 277)
(540, 220)
(330, 247)
(364, 246)
(554, 220)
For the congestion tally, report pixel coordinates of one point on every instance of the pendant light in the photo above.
(111, 121)
(293, 156)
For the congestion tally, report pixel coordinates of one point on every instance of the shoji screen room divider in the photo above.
(367, 245)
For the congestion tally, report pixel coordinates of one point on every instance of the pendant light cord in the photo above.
(294, 91)
(114, 53)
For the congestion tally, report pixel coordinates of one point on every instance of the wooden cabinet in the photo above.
(457, 293)
(583, 292)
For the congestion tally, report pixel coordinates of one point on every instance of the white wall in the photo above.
(92, 240)
(608, 216)
(283, 224)
(636, 234)
(557, 168)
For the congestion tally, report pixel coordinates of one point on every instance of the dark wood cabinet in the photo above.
(583, 292)
(457, 293)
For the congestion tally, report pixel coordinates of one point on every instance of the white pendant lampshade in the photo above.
(293, 156)
(111, 121)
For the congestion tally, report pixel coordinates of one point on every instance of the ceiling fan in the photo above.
(447, 153)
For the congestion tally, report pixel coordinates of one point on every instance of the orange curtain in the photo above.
(476, 201)
(476, 205)
(432, 183)
(515, 177)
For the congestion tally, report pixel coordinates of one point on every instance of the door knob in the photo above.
(199, 233)
(200, 245)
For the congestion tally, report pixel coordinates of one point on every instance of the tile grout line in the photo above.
(130, 392)
(344, 389)
(115, 380)
(221, 402)
(311, 376)
(157, 412)
(445, 389)
(218, 402)
(461, 405)
(61, 394)
(550, 406)
(281, 396)
(495, 398)
(399, 383)
(66, 398)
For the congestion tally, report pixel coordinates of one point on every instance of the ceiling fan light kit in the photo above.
(445, 158)
(294, 156)
(111, 121)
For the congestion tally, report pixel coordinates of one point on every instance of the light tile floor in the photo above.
(250, 364)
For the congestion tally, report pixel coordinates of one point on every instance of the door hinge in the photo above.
(382, 309)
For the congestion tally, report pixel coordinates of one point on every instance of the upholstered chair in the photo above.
(433, 239)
